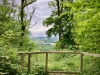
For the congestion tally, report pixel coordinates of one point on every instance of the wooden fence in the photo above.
(22, 54)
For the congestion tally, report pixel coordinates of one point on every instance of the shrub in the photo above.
(9, 63)
(38, 70)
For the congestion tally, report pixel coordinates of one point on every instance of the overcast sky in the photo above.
(42, 12)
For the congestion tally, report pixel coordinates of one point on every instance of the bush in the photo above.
(7, 67)
(9, 64)
(38, 70)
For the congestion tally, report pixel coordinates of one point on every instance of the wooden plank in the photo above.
(22, 61)
(35, 52)
(31, 53)
(91, 54)
(46, 64)
(29, 62)
(57, 52)
(20, 53)
(54, 52)
(63, 72)
(81, 62)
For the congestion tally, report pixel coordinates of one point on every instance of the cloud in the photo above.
(38, 33)
(43, 11)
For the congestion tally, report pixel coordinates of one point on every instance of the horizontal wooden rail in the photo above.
(49, 52)
(84, 53)
(46, 61)
(91, 54)
(54, 52)
(63, 72)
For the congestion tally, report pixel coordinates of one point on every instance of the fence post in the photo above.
(22, 62)
(81, 62)
(46, 64)
(29, 62)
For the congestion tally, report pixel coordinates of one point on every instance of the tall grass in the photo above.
(62, 62)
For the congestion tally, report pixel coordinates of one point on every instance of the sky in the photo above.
(42, 12)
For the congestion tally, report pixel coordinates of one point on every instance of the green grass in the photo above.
(62, 62)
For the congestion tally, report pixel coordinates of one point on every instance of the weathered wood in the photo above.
(58, 52)
(52, 52)
(22, 61)
(29, 62)
(46, 61)
(91, 54)
(46, 64)
(63, 72)
(49, 52)
(81, 62)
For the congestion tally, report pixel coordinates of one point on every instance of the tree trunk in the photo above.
(60, 9)
(22, 24)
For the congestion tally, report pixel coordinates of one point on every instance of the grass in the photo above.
(62, 62)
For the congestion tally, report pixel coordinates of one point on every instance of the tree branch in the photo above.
(36, 22)
(32, 13)
(29, 3)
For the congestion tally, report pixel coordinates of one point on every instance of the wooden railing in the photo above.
(22, 54)
(91, 54)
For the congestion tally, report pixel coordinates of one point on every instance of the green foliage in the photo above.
(58, 45)
(91, 66)
(84, 14)
(66, 23)
(9, 68)
(9, 62)
(9, 29)
(86, 28)
(61, 45)
(10, 38)
(29, 45)
(9, 26)
(39, 70)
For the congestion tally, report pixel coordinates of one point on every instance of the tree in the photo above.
(24, 3)
(9, 29)
(57, 13)
(61, 23)
(59, 9)
(86, 28)
(10, 32)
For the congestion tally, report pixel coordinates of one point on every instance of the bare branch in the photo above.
(36, 22)
(26, 4)
(13, 1)
(32, 13)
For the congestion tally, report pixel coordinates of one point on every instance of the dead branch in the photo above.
(13, 1)
(26, 4)
(32, 13)
(36, 22)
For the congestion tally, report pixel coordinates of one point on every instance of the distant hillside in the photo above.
(44, 39)
(45, 43)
